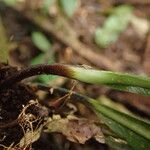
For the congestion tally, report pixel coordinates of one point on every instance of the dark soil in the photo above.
(11, 105)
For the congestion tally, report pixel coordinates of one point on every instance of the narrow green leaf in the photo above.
(41, 41)
(132, 89)
(119, 81)
(136, 141)
(136, 132)
(133, 123)
(68, 6)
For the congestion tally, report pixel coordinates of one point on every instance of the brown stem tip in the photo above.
(56, 69)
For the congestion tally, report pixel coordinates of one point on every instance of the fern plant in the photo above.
(134, 131)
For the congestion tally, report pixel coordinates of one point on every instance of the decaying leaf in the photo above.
(75, 129)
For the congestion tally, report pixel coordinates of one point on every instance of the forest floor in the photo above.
(26, 106)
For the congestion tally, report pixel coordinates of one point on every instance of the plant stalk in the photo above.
(83, 74)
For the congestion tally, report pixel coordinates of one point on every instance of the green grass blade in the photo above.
(136, 132)
(132, 89)
(108, 77)
(136, 141)
(119, 81)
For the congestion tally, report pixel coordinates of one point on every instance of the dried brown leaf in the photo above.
(75, 129)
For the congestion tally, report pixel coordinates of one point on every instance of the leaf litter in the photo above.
(78, 130)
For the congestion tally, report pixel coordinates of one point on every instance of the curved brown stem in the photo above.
(56, 69)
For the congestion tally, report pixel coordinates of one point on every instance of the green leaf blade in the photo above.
(132, 89)
(136, 141)
(119, 81)
(136, 132)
